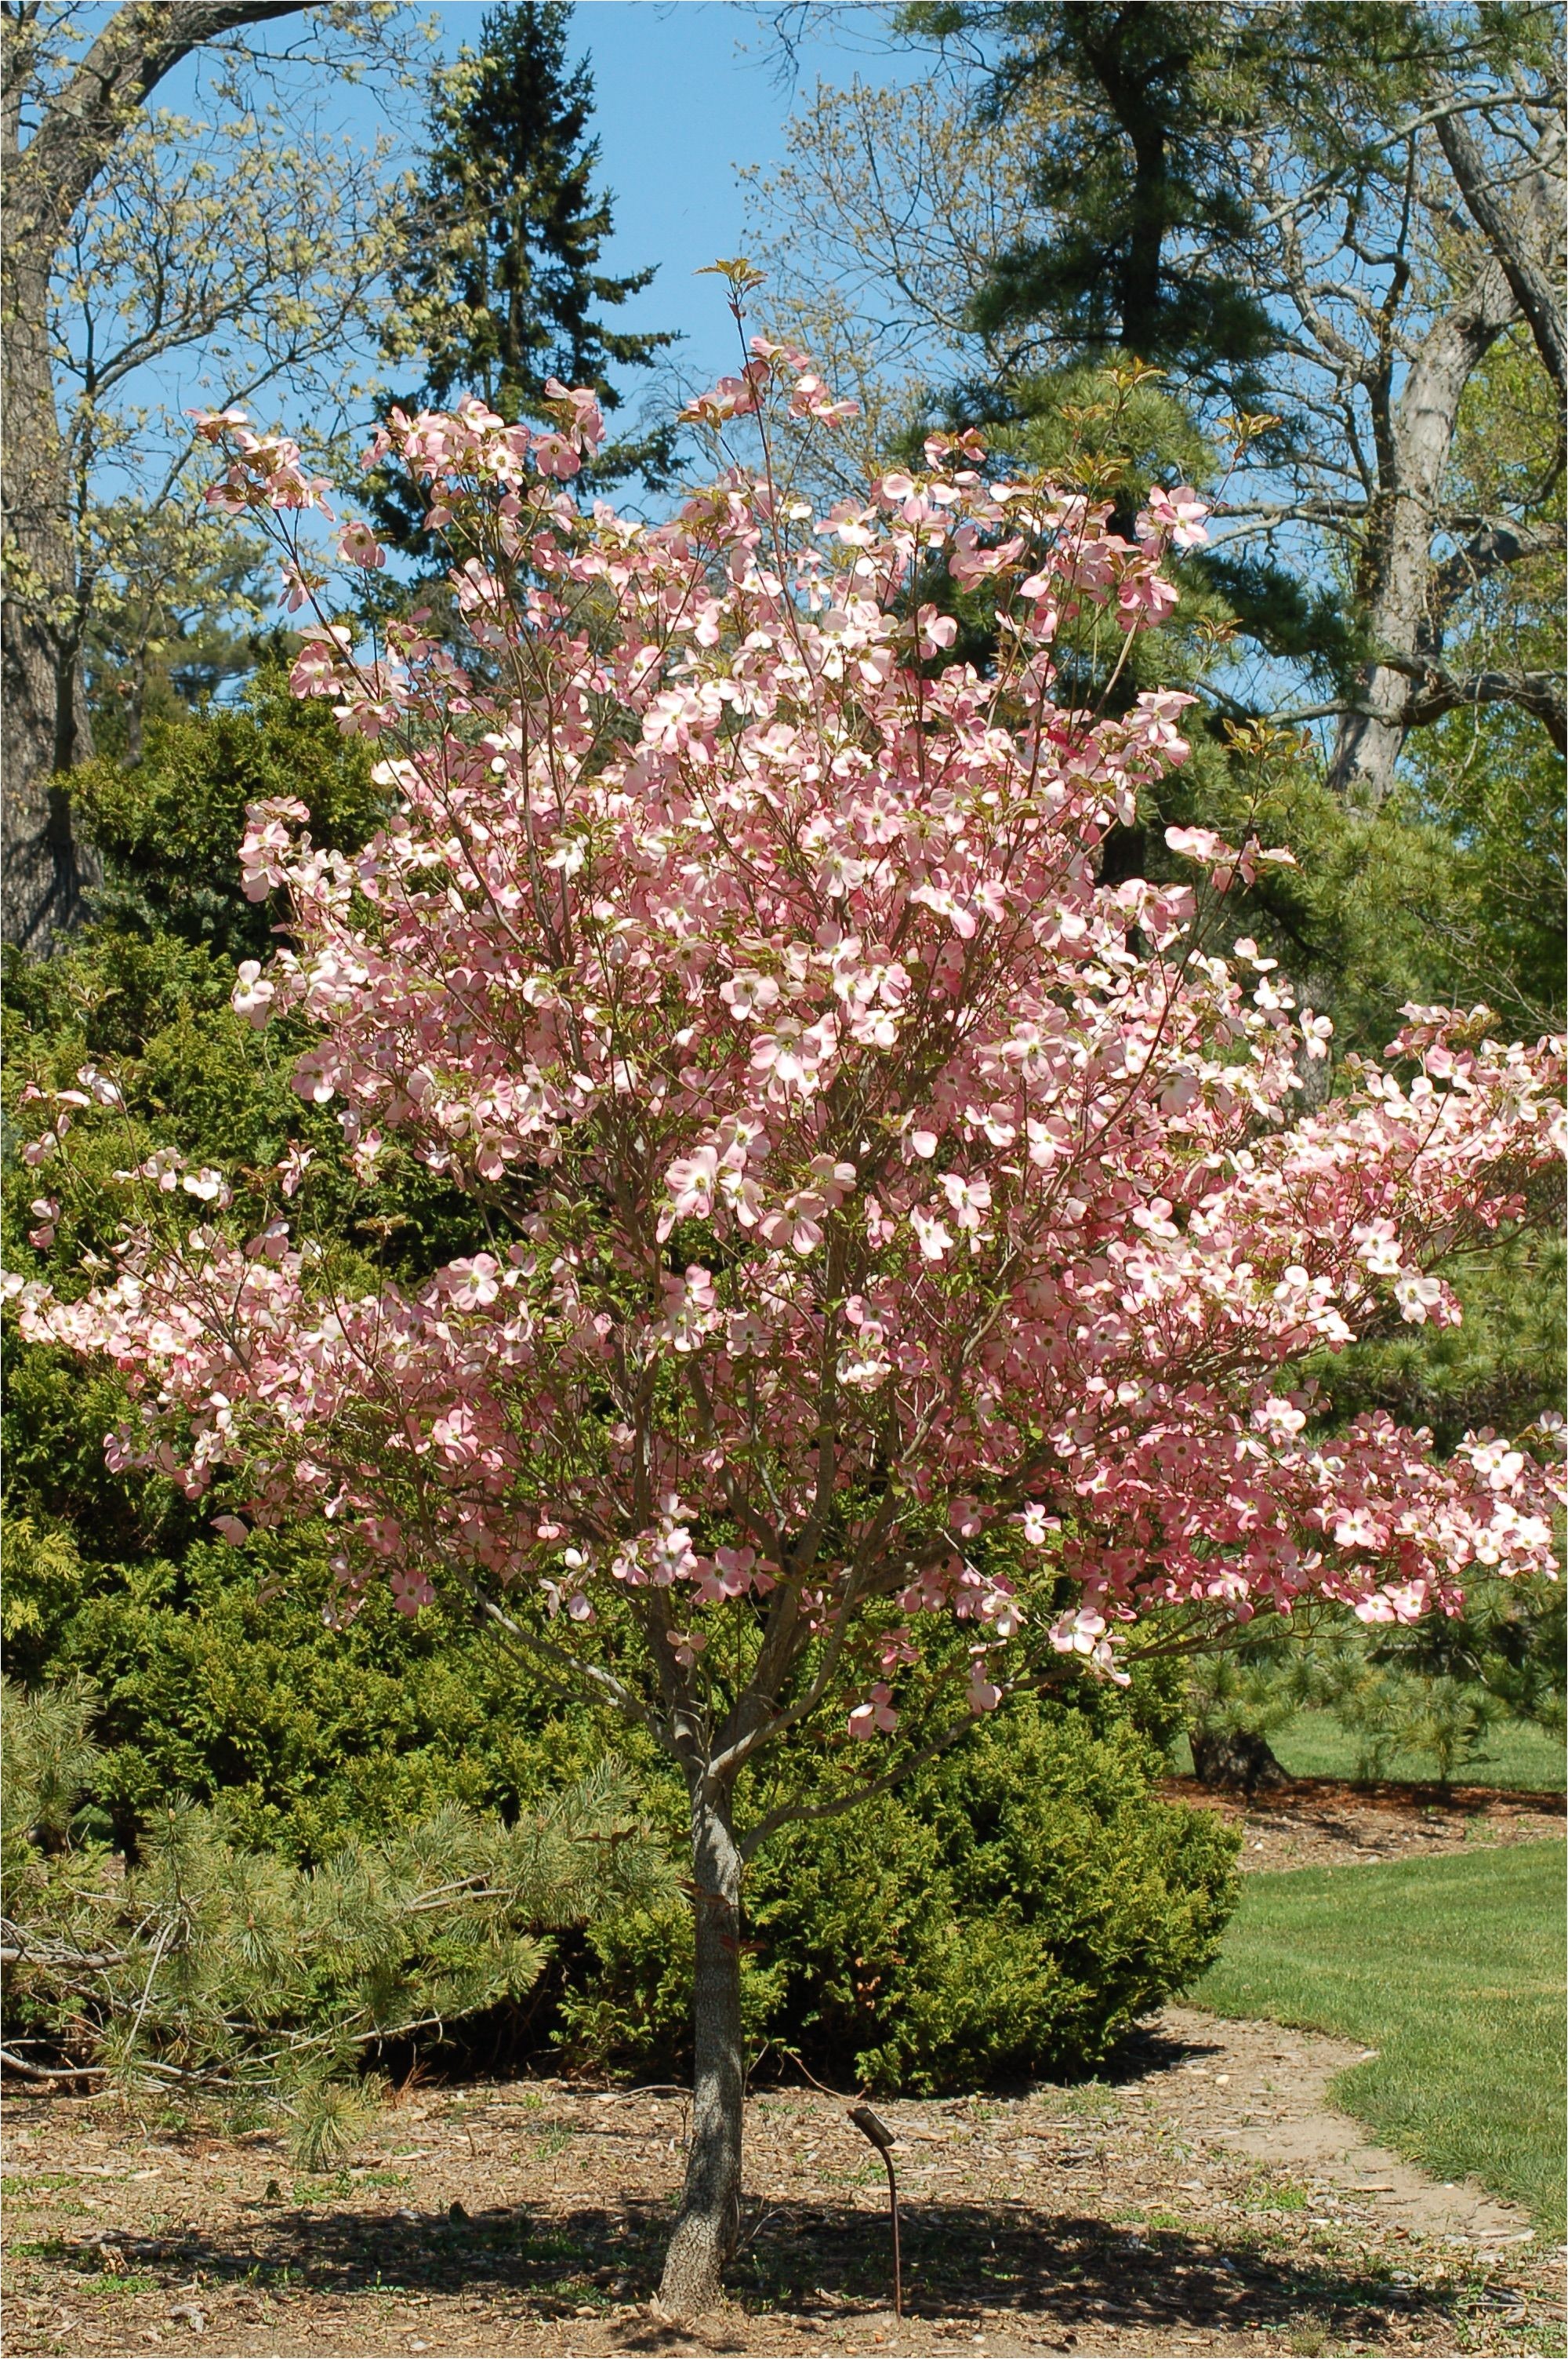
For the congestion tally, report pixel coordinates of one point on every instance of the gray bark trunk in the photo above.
(707, 2225)
(1525, 237)
(1398, 569)
(43, 718)
(42, 721)
(43, 711)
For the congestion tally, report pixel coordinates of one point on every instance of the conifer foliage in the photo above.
(1136, 173)
(207, 1968)
(505, 291)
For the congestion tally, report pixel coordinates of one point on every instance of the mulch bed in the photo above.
(1326, 1822)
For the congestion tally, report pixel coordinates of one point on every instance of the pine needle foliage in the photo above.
(205, 1970)
(1435, 1692)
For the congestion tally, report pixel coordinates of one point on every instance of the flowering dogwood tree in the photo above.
(900, 1244)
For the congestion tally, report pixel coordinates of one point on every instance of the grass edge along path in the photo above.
(1452, 1968)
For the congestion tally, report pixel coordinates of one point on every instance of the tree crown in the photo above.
(900, 1241)
(506, 293)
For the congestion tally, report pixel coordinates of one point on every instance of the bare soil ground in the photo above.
(1201, 2198)
(1322, 1822)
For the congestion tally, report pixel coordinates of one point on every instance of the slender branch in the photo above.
(608, 1686)
(793, 1813)
(15, 2063)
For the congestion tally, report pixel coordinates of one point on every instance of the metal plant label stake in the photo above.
(871, 2127)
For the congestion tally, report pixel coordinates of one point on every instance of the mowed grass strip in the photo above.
(1452, 1970)
(1516, 1757)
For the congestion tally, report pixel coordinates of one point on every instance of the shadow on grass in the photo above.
(960, 2259)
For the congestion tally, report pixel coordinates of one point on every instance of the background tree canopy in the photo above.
(1328, 219)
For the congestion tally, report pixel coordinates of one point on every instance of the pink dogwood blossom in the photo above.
(756, 944)
(903, 1242)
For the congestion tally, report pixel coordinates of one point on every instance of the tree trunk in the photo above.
(136, 710)
(706, 2230)
(43, 711)
(1523, 235)
(1400, 569)
(1237, 1757)
(43, 719)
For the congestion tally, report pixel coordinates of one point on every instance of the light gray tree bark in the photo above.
(43, 179)
(1407, 591)
(1520, 240)
(1415, 439)
(708, 2221)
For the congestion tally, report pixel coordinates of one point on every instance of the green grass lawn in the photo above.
(1314, 1745)
(1452, 1968)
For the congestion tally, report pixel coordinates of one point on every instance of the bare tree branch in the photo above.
(1499, 541)
(1541, 692)
(1535, 291)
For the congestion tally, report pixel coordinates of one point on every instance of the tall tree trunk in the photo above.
(43, 716)
(135, 708)
(705, 2231)
(1525, 237)
(1399, 574)
(43, 711)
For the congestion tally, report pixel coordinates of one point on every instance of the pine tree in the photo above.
(503, 290)
(1136, 176)
(1259, 198)
(204, 1970)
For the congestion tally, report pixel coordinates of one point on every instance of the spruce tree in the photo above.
(501, 291)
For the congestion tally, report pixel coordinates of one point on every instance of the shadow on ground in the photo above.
(1148, 2051)
(1063, 2270)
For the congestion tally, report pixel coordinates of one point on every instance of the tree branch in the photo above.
(1499, 541)
(790, 1814)
(142, 43)
(14, 2063)
(1541, 692)
(1528, 278)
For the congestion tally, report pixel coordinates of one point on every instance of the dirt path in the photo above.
(1257, 2089)
(1205, 2201)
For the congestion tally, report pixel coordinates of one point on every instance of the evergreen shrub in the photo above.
(1011, 1911)
(1006, 1915)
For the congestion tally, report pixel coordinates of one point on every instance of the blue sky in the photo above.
(688, 90)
